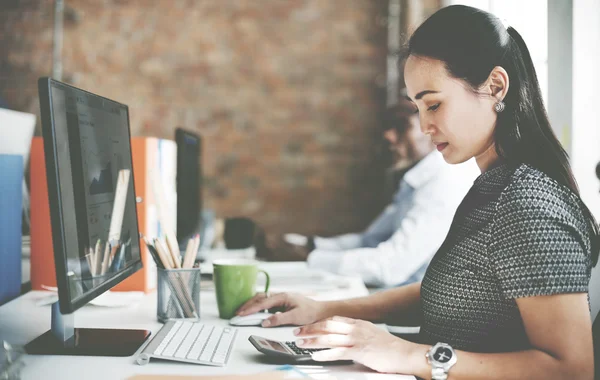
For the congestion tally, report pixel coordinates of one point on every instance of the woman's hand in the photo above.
(361, 341)
(297, 309)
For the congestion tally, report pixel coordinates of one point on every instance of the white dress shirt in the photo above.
(397, 247)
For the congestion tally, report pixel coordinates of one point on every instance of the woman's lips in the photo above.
(441, 146)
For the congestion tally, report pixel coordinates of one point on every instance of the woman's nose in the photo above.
(426, 126)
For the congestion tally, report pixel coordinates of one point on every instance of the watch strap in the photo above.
(438, 373)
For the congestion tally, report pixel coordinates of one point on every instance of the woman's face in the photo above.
(459, 122)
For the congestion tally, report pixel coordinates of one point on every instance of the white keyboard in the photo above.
(190, 342)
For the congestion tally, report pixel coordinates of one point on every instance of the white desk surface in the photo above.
(21, 321)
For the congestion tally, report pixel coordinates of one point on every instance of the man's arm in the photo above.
(420, 234)
(338, 243)
(378, 231)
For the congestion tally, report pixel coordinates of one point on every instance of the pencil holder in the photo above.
(178, 294)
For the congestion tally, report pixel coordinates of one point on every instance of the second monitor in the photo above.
(189, 183)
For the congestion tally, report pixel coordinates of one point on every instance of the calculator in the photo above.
(282, 349)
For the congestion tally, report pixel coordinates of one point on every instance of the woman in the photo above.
(507, 291)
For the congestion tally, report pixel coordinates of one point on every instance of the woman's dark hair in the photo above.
(471, 42)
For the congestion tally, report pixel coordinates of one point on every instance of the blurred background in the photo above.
(287, 94)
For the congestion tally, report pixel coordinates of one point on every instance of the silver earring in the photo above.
(499, 107)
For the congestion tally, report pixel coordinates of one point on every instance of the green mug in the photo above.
(235, 283)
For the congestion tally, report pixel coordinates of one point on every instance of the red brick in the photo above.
(286, 93)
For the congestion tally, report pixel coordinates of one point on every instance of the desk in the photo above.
(21, 321)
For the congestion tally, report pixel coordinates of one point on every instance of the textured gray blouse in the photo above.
(518, 233)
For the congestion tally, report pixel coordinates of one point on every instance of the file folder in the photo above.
(11, 172)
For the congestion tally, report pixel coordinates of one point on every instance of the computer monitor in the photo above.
(87, 147)
(189, 182)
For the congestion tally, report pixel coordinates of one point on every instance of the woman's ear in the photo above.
(497, 83)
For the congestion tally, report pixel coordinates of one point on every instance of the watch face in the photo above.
(442, 355)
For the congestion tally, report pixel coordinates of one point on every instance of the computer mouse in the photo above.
(249, 320)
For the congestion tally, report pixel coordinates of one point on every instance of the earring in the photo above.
(499, 107)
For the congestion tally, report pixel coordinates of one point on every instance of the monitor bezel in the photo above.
(67, 306)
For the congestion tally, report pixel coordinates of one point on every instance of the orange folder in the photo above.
(42, 252)
(144, 151)
(148, 153)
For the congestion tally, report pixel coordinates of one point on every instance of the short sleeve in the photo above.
(540, 240)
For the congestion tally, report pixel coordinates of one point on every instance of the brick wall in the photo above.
(287, 94)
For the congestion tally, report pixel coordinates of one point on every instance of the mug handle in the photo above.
(268, 282)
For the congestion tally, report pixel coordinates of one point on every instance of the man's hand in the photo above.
(275, 248)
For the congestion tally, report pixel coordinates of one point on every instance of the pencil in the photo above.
(188, 261)
(173, 246)
(105, 258)
(195, 246)
(153, 253)
(187, 257)
(93, 261)
(97, 258)
(162, 255)
(114, 247)
(160, 246)
(88, 257)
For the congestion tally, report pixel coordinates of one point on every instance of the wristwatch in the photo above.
(441, 357)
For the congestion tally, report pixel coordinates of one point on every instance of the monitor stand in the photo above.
(64, 339)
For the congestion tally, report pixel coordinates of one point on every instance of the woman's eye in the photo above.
(433, 107)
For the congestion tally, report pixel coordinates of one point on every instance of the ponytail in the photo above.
(540, 147)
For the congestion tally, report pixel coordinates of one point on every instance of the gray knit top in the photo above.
(518, 233)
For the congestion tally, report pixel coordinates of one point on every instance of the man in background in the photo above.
(398, 245)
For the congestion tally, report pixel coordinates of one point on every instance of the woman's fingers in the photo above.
(340, 353)
(326, 341)
(344, 319)
(280, 319)
(327, 326)
(257, 298)
(262, 303)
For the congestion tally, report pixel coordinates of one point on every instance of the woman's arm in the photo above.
(558, 327)
(401, 306)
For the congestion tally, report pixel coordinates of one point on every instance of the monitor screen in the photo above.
(90, 186)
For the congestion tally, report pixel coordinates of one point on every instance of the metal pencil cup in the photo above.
(178, 294)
